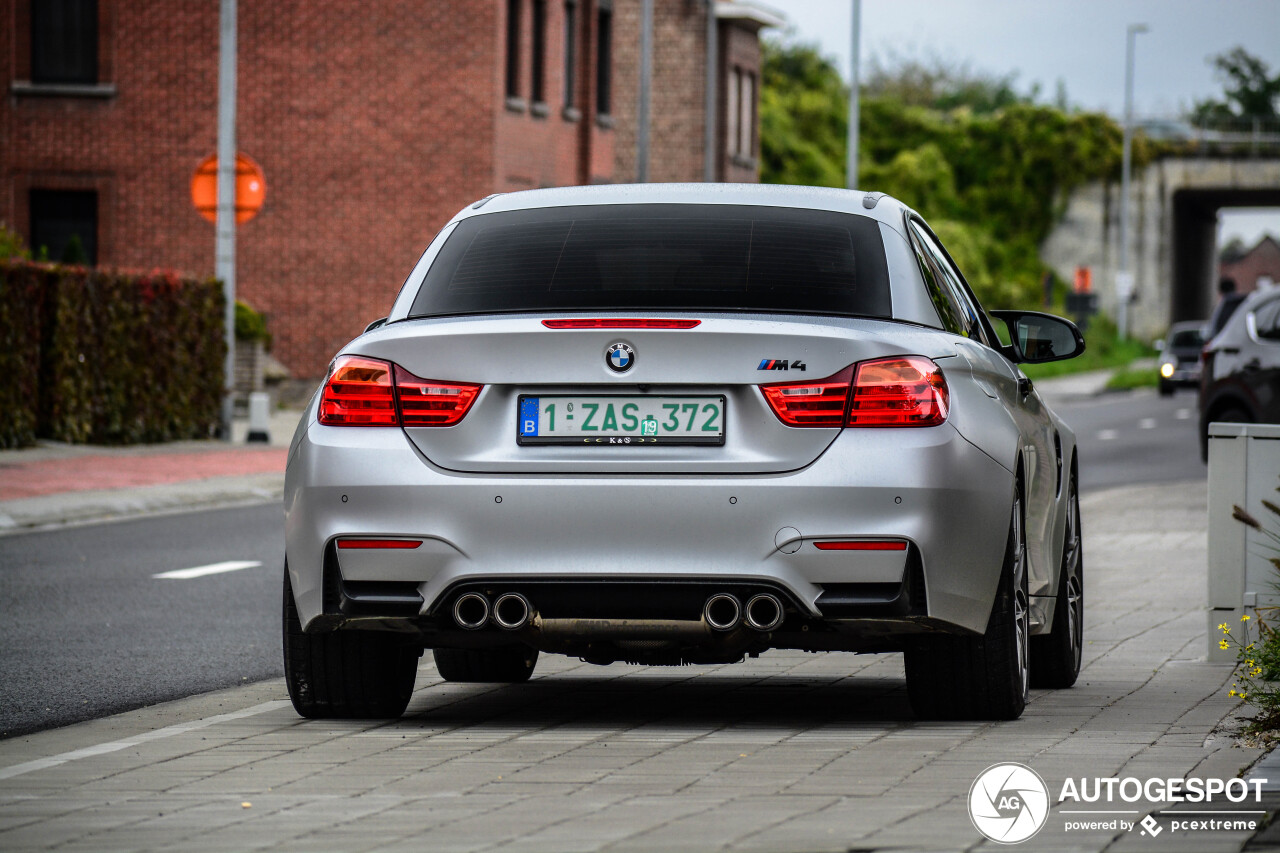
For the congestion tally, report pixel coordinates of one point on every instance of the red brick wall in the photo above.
(373, 122)
(1262, 260)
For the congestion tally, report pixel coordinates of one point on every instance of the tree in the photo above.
(987, 167)
(1250, 92)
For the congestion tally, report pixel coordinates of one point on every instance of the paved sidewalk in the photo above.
(54, 484)
(790, 752)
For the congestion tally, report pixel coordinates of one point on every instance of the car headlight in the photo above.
(1166, 369)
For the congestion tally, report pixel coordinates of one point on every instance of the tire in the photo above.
(364, 675)
(512, 665)
(1055, 657)
(986, 677)
(1166, 388)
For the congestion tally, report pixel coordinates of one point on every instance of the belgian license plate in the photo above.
(621, 419)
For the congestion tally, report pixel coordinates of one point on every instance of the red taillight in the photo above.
(889, 392)
(425, 402)
(820, 403)
(614, 323)
(378, 544)
(365, 391)
(904, 391)
(861, 545)
(359, 392)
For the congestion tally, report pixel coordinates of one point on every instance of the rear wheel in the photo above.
(511, 665)
(986, 677)
(1055, 657)
(347, 674)
(1166, 388)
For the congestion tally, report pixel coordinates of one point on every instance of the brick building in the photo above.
(1254, 268)
(373, 123)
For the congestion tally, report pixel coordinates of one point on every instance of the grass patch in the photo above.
(1127, 378)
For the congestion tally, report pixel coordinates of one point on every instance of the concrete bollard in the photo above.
(259, 417)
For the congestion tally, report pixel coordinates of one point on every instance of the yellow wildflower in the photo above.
(1223, 644)
(1231, 693)
(1244, 618)
(1223, 627)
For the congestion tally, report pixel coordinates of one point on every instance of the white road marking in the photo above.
(1182, 415)
(211, 569)
(1147, 423)
(1107, 435)
(136, 740)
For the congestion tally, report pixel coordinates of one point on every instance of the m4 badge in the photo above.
(780, 364)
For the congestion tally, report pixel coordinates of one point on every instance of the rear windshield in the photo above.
(660, 256)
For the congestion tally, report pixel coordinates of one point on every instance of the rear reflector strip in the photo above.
(370, 544)
(613, 323)
(860, 545)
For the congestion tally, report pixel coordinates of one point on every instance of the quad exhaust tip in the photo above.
(511, 611)
(722, 611)
(471, 611)
(764, 612)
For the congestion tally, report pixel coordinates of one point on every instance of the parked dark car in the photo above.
(1180, 357)
(1240, 379)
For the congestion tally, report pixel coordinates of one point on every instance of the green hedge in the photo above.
(119, 357)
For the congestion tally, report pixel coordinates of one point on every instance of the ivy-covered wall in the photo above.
(90, 355)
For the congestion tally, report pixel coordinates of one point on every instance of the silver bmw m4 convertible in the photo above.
(684, 424)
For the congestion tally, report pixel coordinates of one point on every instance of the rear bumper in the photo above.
(927, 487)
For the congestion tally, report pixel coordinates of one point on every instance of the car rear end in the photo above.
(665, 433)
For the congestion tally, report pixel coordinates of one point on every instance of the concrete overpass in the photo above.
(1173, 217)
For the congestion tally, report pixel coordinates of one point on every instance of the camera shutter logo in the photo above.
(1008, 803)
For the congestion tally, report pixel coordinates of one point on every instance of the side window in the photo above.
(969, 312)
(951, 314)
(1267, 321)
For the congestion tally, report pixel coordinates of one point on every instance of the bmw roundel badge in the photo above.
(620, 357)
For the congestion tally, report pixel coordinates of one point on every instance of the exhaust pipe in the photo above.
(471, 611)
(764, 612)
(722, 612)
(511, 611)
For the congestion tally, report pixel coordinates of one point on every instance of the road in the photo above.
(89, 631)
(1137, 437)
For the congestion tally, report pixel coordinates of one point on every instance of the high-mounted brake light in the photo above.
(902, 391)
(615, 323)
(370, 392)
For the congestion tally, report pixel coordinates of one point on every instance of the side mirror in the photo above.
(1038, 337)
(1158, 344)
(375, 324)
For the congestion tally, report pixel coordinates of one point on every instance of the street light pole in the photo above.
(851, 158)
(225, 242)
(1124, 276)
(646, 77)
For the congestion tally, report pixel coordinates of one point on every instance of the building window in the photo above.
(539, 51)
(740, 114)
(64, 225)
(513, 48)
(731, 111)
(747, 116)
(64, 41)
(604, 60)
(570, 53)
